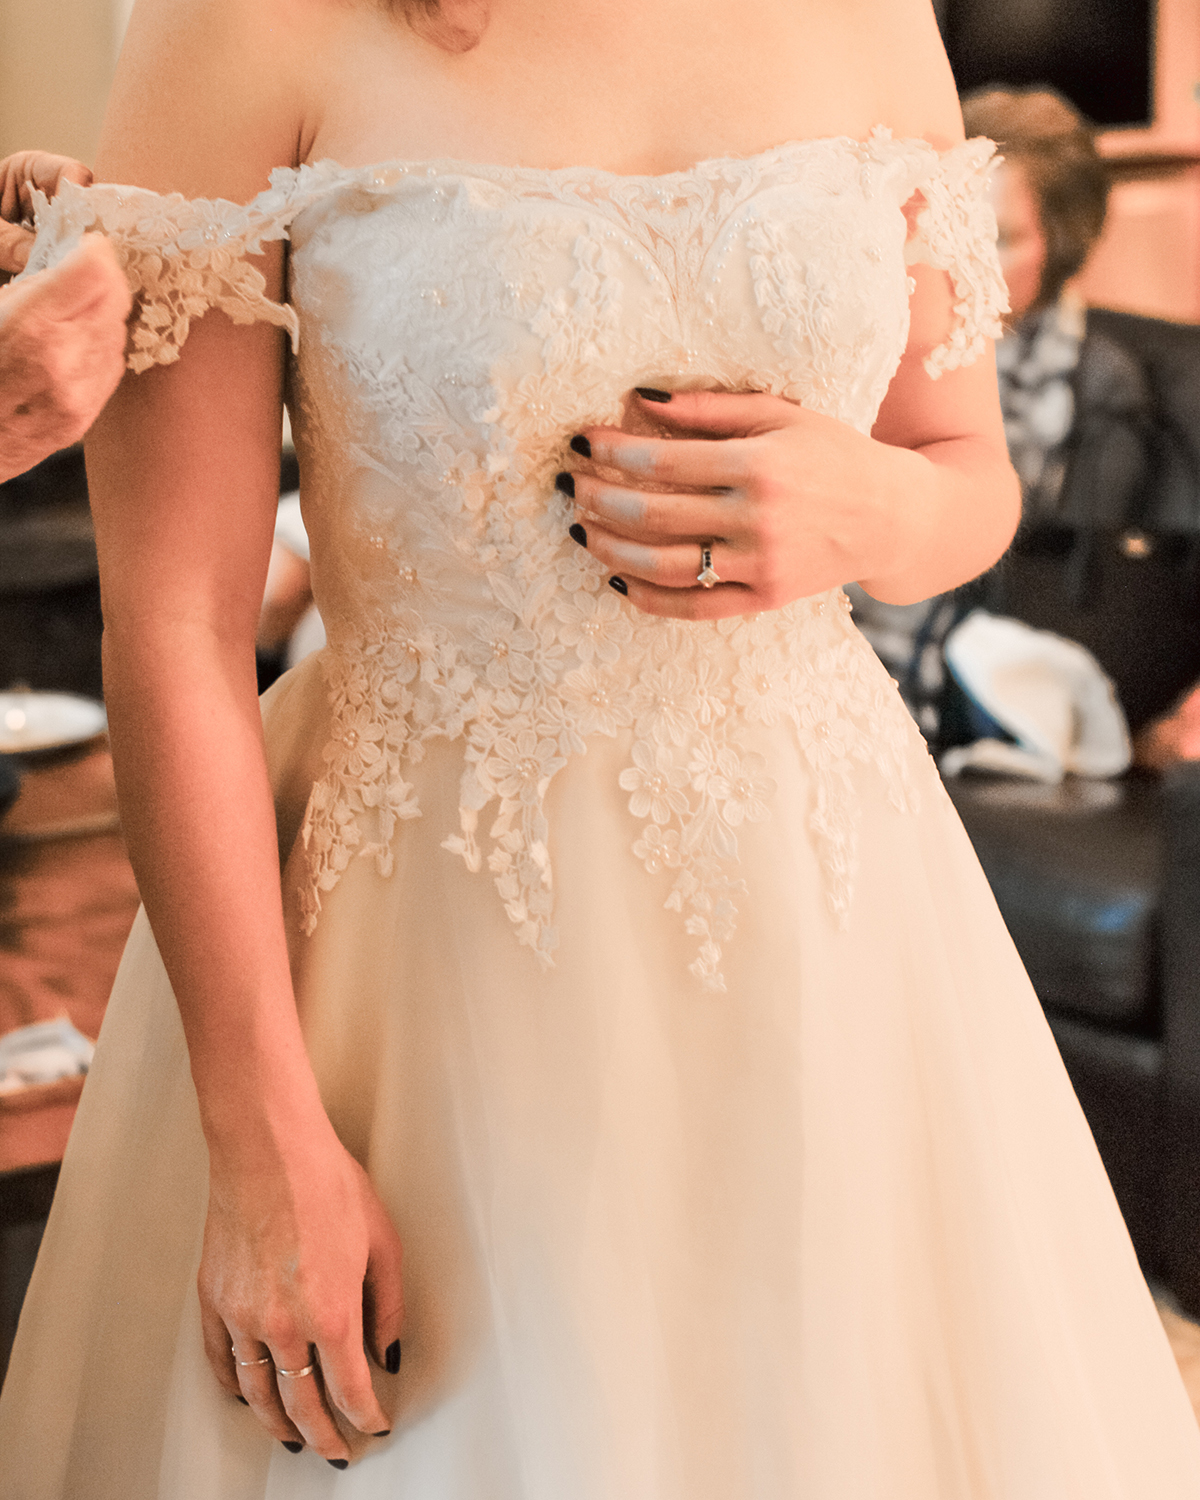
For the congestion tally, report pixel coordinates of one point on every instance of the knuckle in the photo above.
(355, 1397)
(643, 457)
(278, 1329)
(330, 1328)
(737, 458)
(269, 1414)
(757, 477)
(629, 506)
(772, 588)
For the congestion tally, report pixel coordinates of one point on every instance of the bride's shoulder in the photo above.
(210, 95)
(899, 50)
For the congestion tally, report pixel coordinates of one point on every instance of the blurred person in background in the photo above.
(1087, 421)
(62, 332)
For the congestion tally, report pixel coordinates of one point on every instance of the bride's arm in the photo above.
(183, 469)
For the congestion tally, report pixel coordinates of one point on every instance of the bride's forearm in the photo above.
(198, 816)
(950, 509)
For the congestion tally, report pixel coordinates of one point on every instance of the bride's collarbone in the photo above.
(653, 108)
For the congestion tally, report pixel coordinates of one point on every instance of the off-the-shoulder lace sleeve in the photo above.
(180, 255)
(956, 232)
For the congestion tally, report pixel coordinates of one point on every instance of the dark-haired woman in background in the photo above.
(628, 967)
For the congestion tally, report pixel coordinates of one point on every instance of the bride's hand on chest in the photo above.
(780, 503)
(785, 502)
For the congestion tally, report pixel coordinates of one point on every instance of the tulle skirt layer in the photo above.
(839, 1233)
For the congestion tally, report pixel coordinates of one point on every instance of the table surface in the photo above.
(67, 900)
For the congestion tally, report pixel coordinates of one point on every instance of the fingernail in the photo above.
(243, 1400)
(580, 444)
(338, 1463)
(577, 534)
(565, 484)
(292, 1447)
(620, 585)
(391, 1358)
(387, 1432)
(647, 393)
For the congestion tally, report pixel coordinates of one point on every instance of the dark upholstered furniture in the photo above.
(1099, 883)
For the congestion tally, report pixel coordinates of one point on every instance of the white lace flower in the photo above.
(578, 570)
(217, 240)
(760, 686)
(827, 735)
(401, 660)
(536, 408)
(667, 705)
(594, 625)
(658, 848)
(457, 470)
(500, 647)
(742, 788)
(655, 783)
(599, 699)
(357, 743)
(520, 768)
(157, 223)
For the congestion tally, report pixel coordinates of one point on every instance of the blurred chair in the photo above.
(1099, 882)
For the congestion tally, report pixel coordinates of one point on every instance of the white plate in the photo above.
(41, 721)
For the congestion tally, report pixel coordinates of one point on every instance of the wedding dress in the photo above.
(644, 965)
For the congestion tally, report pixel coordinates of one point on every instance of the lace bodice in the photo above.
(454, 325)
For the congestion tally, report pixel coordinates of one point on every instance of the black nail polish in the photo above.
(243, 1400)
(292, 1447)
(580, 444)
(338, 1463)
(565, 484)
(647, 393)
(577, 534)
(391, 1358)
(387, 1432)
(620, 585)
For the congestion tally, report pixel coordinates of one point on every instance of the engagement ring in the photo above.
(708, 576)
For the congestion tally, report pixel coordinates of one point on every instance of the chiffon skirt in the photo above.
(839, 1233)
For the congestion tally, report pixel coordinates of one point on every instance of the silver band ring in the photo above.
(245, 1363)
(296, 1374)
(707, 577)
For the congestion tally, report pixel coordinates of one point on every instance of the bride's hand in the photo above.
(790, 503)
(301, 1264)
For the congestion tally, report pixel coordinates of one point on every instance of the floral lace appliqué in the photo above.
(181, 256)
(460, 323)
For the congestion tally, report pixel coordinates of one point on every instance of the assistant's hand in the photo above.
(300, 1263)
(19, 175)
(791, 503)
(62, 353)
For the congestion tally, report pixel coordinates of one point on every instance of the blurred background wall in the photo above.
(56, 62)
(1132, 66)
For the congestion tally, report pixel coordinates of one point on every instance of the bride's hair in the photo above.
(455, 25)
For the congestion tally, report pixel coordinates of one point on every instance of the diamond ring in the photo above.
(707, 577)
